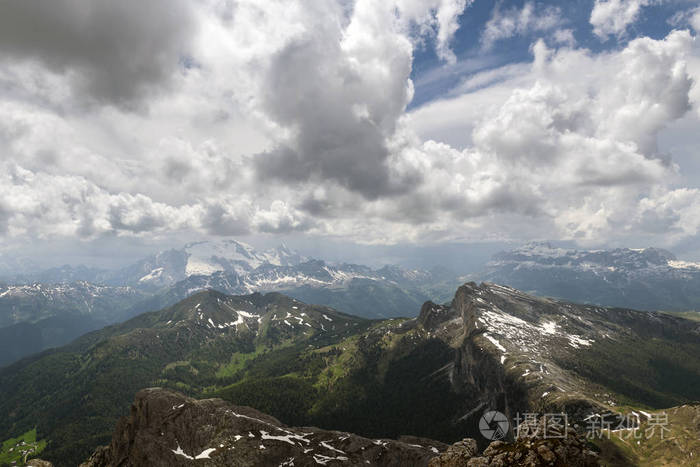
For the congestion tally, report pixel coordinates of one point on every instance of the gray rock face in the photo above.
(456, 455)
(38, 463)
(432, 315)
(167, 429)
(535, 451)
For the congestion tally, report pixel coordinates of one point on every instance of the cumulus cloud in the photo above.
(695, 20)
(447, 16)
(290, 116)
(340, 88)
(613, 17)
(438, 19)
(576, 148)
(514, 21)
(340, 91)
(36, 203)
(564, 37)
(675, 213)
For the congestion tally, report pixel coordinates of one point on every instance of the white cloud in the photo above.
(531, 18)
(613, 17)
(244, 78)
(564, 37)
(447, 14)
(572, 142)
(685, 18)
(437, 18)
(291, 116)
(36, 203)
(695, 20)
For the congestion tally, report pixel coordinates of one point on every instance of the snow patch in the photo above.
(577, 341)
(324, 460)
(180, 452)
(151, 276)
(328, 446)
(495, 342)
(683, 265)
(205, 454)
(286, 438)
(549, 327)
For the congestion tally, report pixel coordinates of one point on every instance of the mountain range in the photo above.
(432, 376)
(43, 309)
(644, 279)
(38, 315)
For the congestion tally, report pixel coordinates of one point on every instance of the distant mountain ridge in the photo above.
(33, 302)
(360, 290)
(36, 315)
(201, 259)
(645, 279)
(160, 269)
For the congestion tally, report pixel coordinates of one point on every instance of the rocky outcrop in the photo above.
(167, 429)
(457, 455)
(569, 452)
(478, 374)
(463, 303)
(432, 314)
(38, 463)
(535, 450)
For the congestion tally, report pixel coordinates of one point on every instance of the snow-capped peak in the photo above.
(206, 258)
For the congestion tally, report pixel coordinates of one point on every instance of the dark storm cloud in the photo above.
(341, 123)
(117, 50)
(218, 220)
(4, 218)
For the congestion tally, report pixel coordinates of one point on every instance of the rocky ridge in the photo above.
(511, 343)
(168, 429)
(165, 428)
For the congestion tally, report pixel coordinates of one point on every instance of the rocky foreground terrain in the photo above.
(166, 429)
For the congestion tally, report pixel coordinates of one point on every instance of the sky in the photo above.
(350, 128)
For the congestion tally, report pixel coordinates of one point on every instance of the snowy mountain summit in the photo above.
(641, 278)
(206, 258)
(543, 254)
